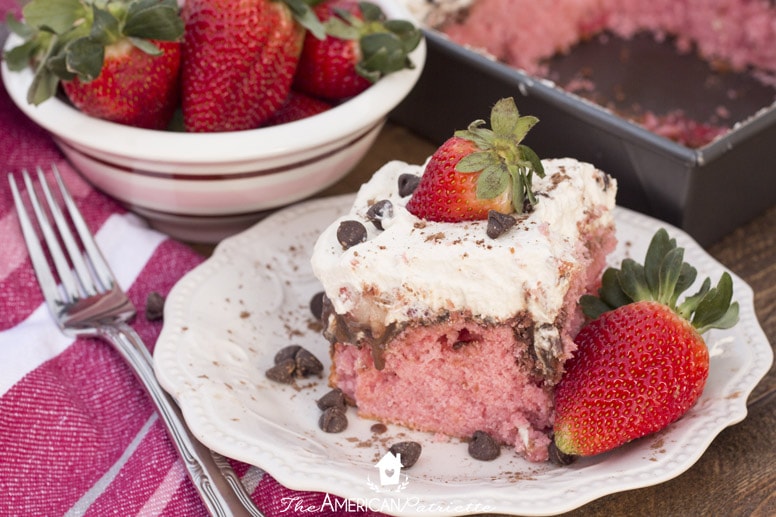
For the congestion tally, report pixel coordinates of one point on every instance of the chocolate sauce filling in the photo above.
(543, 359)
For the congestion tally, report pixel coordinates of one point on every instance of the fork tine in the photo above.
(39, 263)
(99, 264)
(82, 272)
(55, 250)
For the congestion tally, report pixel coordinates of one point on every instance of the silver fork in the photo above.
(88, 301)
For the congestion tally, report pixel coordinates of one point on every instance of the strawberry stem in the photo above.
(502, 159)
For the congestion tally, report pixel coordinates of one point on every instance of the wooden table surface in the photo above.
(736, 476)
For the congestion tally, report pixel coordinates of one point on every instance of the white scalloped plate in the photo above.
(225, 320)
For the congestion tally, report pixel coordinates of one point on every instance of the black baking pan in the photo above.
(706, 191)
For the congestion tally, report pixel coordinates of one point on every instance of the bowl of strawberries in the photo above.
(204, 117)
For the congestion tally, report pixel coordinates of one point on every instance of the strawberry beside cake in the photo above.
(452, 313)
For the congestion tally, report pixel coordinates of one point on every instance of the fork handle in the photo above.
(218, 485)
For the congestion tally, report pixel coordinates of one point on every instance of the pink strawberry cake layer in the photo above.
(522, 33)
(440, 328)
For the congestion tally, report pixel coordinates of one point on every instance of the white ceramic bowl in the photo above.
(205, 186)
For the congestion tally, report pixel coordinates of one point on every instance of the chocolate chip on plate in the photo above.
(483, 447)
(409, 451)
(408, 183)
(379, 212)
(316, 305)
(307, 364)
(154, 308)
(282, 372)
(350, 233)
(499, 223)
(333, 420)
(288, 352)
(334, 398)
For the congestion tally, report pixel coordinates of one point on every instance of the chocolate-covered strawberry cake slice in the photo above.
(452, 307)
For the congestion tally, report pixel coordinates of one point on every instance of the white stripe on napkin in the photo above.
(165, 491)
(82, 505)
(127, 244)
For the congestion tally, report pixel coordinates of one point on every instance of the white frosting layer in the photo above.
(435, 12)
(416, 268)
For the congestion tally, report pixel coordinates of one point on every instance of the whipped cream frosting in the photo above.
(435, 12)
(414, 269)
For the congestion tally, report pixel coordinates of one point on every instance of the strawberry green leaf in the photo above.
(408, 34)
(523, 126)
(18, 58)
(658, 247)
(690, 303)
(105, 28)
(492, 182)
(593, 306)
(57, 16)
(480, 136)
(633, 280)
(715, 307)
(44, 86)
(518, 190)
(371, 11)
(475, 162)
(611, 292)
(306, 17)
(152, 19)
(534, 162)
(57, 64)
(382, 54)
(668, 275)
(339, 28)
(687, 277)
(84, 58)
(505, 118)
(146, 46)
(19, 28)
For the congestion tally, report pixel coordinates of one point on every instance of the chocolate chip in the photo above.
(154, 308)
(333, 420)
(334, 398)
(307, 364)
(294, 361)
(499, 223)
(558, 457)
(379, 212)
(378, 428)
(350, 233)
(288, 352)
(282, 372)
(408, 183)
(483, 447)
(410, 452)
(316, 305)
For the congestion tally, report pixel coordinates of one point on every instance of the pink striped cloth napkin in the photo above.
(78, 436)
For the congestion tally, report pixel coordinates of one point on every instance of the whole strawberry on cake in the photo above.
(451, 289)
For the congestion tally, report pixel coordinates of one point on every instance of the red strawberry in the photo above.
(297, 107)
(239, 60)
(119, 62)
(361, 46)
(479, 170)
(641, 363)
(133, 88)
